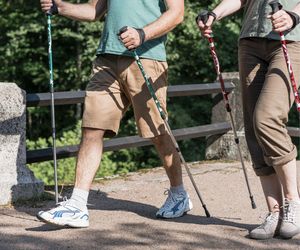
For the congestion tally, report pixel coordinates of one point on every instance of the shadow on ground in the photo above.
(101, 201)
(132, 235)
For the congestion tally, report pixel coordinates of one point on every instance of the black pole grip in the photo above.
(53, 10)
(122, 30)
(203, 16)
(275, 5)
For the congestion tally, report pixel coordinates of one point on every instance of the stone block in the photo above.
(224, 147)
(16, 180)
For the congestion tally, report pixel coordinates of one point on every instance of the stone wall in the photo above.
(16, 180)
(224, 147)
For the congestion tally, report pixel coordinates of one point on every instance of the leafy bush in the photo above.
(112, 163)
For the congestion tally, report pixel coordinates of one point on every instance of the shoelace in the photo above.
(170, 200)
(289, 211)
(270, 217)
(63, 203)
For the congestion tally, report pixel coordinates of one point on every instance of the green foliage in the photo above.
(24, 57)
(112, 163)
(45, 170)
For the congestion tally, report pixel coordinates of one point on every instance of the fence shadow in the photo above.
(100, 201)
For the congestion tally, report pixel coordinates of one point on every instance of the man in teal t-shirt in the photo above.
(115, 84)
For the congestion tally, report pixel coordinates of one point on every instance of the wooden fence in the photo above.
(74, 97)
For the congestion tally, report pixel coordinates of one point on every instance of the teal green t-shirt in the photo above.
(137, 14)
(256, 24)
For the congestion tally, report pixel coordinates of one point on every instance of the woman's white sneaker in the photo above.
(290, 225)
(267, 229)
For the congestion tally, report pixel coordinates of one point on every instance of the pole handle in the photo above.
(122, 30)
(275, 5)
(53, 10)
(203, 16)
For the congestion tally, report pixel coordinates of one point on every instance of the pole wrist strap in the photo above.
(142, 35)
(295, 17)
(207, 13)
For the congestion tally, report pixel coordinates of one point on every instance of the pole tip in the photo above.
(252, 203)
(206, 211)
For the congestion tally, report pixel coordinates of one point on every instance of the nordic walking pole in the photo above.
(164, 117)
(275, 5)
(49, 14)
(204, 15)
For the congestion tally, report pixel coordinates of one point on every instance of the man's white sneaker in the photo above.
(267, 229)
(290, 225)
(65, 215)
(176, 205)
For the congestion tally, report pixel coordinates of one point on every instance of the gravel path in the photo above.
(122, 215)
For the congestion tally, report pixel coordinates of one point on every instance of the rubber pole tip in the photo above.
(206, 212)
(253, 203)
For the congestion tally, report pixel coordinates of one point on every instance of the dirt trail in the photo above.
(122, 215)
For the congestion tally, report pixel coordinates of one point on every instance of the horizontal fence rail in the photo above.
(129, 142)
(294, 132)
(74, 97)
(115, 144)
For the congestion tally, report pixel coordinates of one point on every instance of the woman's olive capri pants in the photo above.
(267, 98)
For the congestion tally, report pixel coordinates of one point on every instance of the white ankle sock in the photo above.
(79, 198)
(177, 189)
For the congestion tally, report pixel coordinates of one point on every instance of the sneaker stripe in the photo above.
(84, 216)
(177, 206)
(59, 214)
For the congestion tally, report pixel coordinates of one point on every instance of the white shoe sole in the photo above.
(290, 234)
(64, 222)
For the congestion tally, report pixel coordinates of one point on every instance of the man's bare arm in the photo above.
(282, 21)
(91, 11)
(297, 9)
(167, 21)
(228, 7)
(225, 8)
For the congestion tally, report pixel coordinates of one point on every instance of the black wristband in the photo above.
(213, 14)
(295, 17)
(209, 13)
(142, 35)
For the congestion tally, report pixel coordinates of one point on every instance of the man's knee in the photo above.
(164, 144)
(92, 135)
(160, 140)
